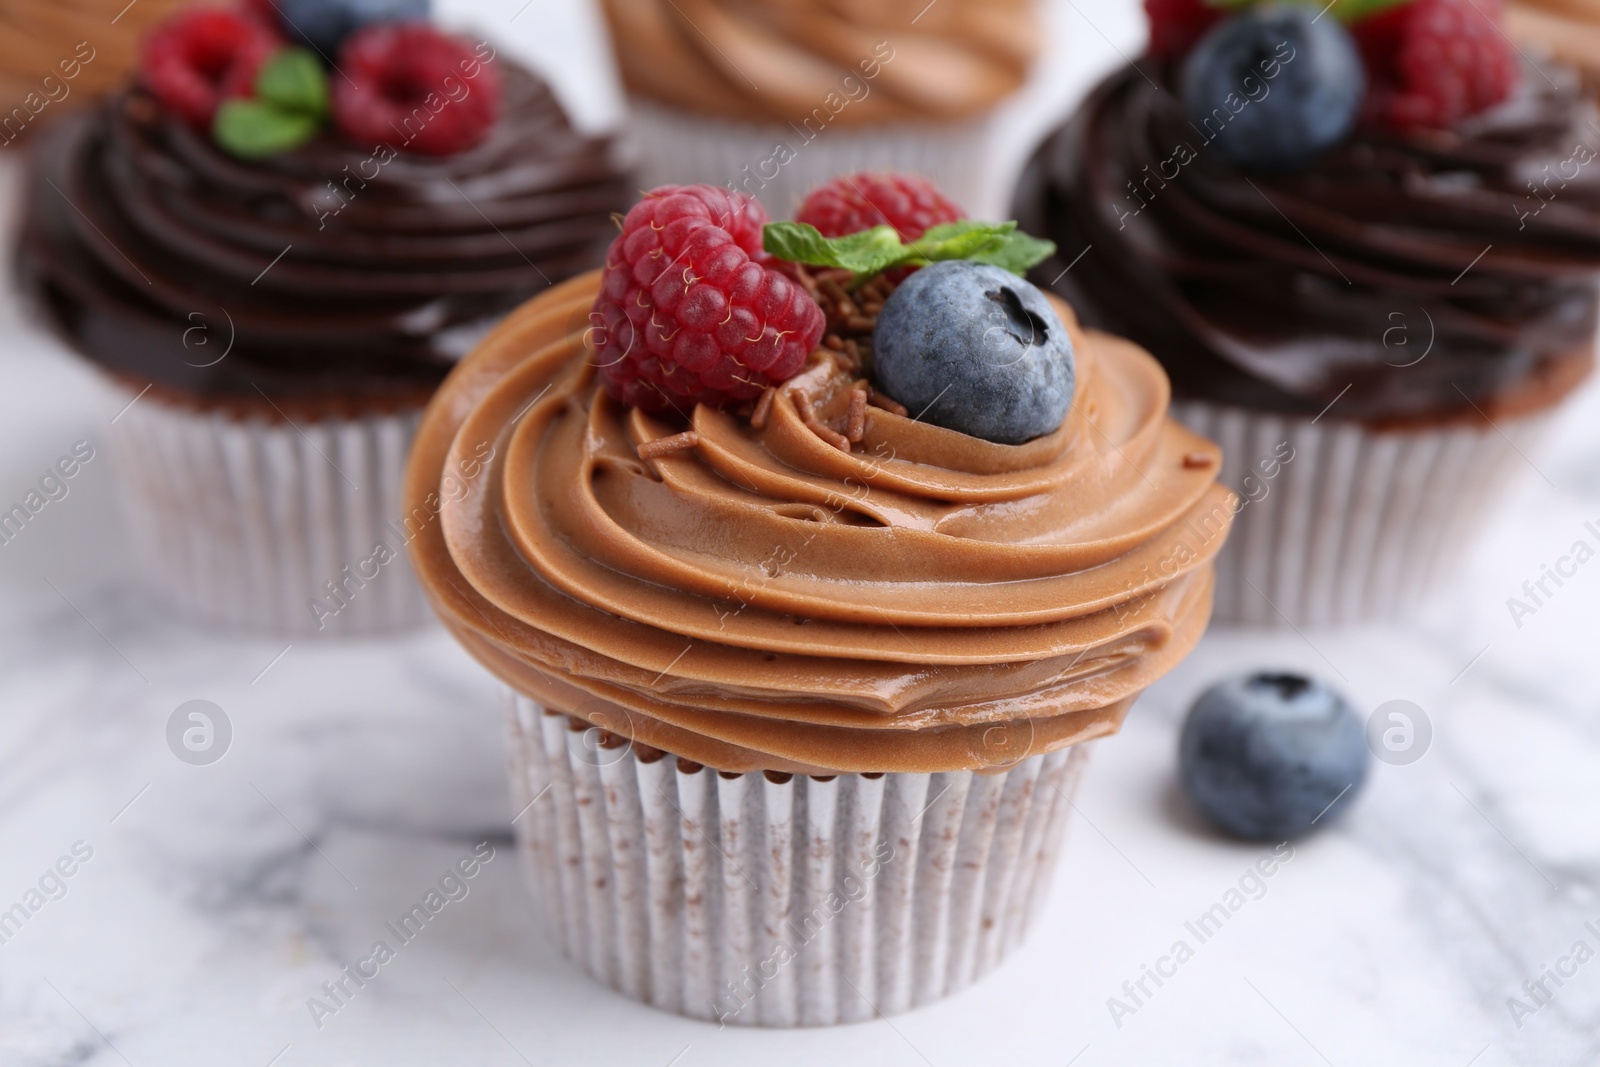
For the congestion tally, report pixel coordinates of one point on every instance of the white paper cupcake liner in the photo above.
(780, 901)
(1361, 524)
(262, 524)
(678, 148)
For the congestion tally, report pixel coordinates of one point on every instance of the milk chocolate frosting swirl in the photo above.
(777, 60)
(1286, 292)
(339, 272)
(763, 601)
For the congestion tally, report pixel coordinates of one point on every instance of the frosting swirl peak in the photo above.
(763, 600)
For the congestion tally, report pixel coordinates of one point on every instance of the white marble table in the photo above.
(218, 899)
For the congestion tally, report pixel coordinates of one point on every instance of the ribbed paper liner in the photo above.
(678, 148)
(1360, 525)
(243, 521)
(677, 889)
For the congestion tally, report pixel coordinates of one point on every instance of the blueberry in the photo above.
(324, 24)
(1263, 756)
(1273, 87)
(976, 349)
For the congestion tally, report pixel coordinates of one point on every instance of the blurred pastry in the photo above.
(58, 56)
(274, 267)
(773, 97)
(1370, 274)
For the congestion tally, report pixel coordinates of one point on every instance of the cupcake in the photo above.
(1567, 31)
(273, 268)
(772, 97)
(801, 676)
(1371, 279)
(58, 55)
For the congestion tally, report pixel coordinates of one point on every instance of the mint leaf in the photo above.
(1356, 10)
(290, 105)
(960, 240)
(880, 248)
(293, 80)
(1017, 253)
(867, 252)
(797, 242)
(254, 129)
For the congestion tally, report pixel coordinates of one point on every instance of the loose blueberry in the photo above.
(1273, 87)
(974, 348)
(1266, 756)
(324, 24)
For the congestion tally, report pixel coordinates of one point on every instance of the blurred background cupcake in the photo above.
(773, 97)
(1567, 31)
(1365, 255)
(274, 264)
(57, 56)
(744, 598)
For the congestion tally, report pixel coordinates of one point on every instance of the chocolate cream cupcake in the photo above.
(273, 296)
(807, 676)
(1370, 279)
(774, 97)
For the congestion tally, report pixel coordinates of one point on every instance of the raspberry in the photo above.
(689, 311)
(1175, 25)
(854, 202)
(265, 10)
(197, 59)
(1434, 62)
(395, 90)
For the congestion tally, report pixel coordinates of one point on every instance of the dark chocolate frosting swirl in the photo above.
(340, 273)
(1285, 291)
